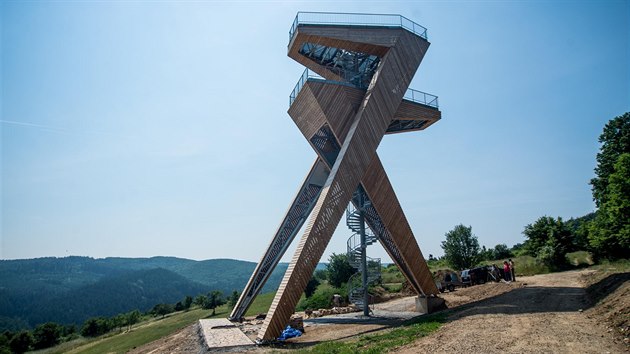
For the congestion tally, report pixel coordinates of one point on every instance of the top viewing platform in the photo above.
(353, 19)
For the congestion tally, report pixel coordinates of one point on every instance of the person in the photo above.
(512, 271)
(506, 271)
(447, 278)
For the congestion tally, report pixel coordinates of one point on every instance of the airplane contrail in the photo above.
(59, 129)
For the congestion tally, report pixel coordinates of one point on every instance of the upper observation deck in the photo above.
(350, 48)
(417, 111)
(356, 20)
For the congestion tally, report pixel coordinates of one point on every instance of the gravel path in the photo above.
(544, 315)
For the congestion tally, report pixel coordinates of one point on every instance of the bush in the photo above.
(21, 342)
(96, 326)
(321, 298)
(46, 335)
(580, 258)
(339, 270)
(391, 274)
(528, 265)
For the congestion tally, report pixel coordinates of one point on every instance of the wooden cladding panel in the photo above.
(412, 111)
(383, 197)
(306, 112)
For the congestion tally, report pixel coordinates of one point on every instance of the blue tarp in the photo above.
(289, 332)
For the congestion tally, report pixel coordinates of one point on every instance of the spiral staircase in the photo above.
(357, 283)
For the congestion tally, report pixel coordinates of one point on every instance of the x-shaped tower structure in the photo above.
(353, 92)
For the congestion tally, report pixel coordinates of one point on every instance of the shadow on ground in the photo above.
(529, 300)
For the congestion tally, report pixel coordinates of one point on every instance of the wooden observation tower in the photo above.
(353, 92)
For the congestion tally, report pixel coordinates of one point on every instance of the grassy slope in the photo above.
(154, 329)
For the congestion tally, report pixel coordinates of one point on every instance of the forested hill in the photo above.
(72, 289)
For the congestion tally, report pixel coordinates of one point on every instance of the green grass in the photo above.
(392, 274)
(525, 265)
(153, 329)
(143, 333)
(261, 304)
(393, 287)
(620, 265)
(382, 342)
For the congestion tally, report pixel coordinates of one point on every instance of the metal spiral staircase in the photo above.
(357, 284)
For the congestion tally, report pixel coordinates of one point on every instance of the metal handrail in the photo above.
(356, 19)
(421, 97)
(410, 95)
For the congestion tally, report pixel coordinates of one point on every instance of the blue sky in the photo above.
(138, 129)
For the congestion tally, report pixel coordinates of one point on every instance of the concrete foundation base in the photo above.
(429, 304)
(220, 334)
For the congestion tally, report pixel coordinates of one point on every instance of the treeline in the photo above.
(604, 233)
(49, 334)
(72, 289)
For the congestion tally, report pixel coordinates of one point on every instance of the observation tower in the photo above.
(354, 91)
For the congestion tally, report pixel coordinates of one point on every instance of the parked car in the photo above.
(448, 282)
(465, 277)
(478, 275)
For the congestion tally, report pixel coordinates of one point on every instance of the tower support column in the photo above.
(364, 267)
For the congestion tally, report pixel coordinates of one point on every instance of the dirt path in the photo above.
(545, 315)
(186, 340)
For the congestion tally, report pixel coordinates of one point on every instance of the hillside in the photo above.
(72, 289)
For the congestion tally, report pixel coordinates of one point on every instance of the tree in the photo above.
(46, 335)
(321, 275)
(339, 270)
(580, 229)
(132, 318)
(179, 306)
(311, 286)
(486, 254)
(461, 248)
(549, 240)
(615, 140)
(214, 300)
(188, 300)
(119, 321)
(233, 299)
(200, 300)
(501, 251)
(20, 342)
(609, 233)
(96, 326)
(162, 309)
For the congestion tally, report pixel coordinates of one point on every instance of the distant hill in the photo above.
(72, 289)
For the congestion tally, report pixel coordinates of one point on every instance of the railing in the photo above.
(421, 97)
(310, 75)
(411, 94)
(353, 19)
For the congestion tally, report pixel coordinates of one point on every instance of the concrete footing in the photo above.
(429, 304)
(222, 334)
